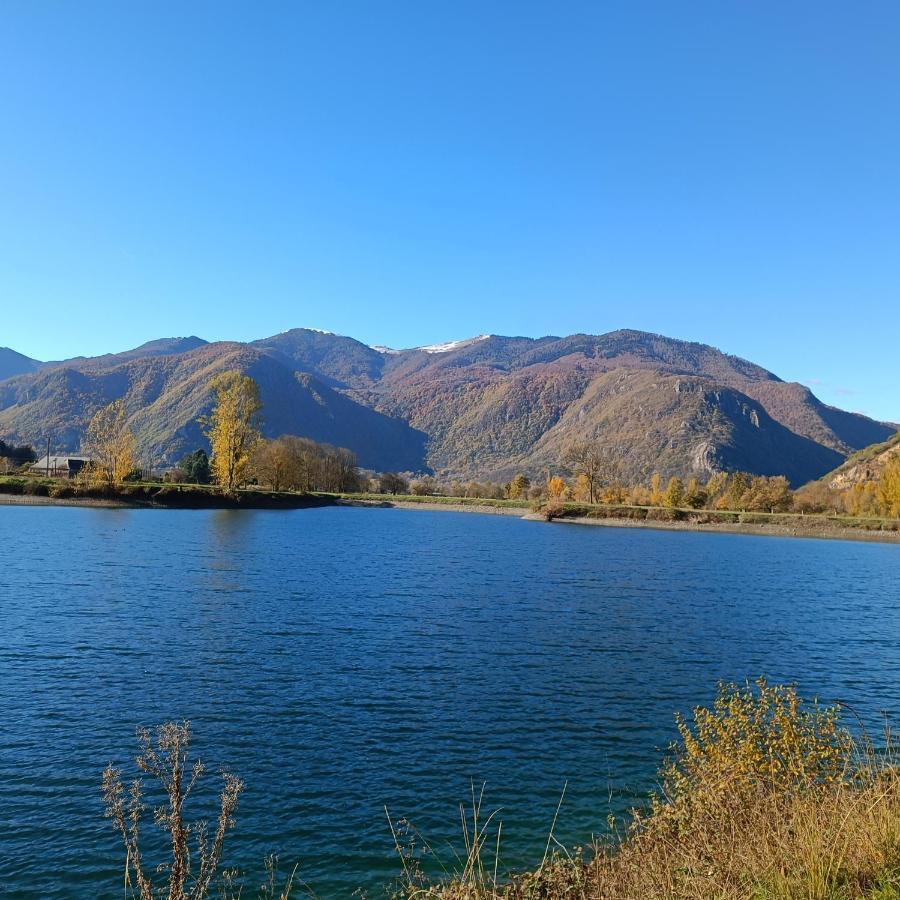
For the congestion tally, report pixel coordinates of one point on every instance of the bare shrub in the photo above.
(189, 874)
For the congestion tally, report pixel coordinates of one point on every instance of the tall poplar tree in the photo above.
(233, 427)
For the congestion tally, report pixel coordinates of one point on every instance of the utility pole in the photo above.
(48, 457)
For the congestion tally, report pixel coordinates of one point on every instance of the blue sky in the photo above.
(413, 172)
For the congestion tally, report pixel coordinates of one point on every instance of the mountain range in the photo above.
(486, 407)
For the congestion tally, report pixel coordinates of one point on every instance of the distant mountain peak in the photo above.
(14, 363)
(290, 331)
(171, 345)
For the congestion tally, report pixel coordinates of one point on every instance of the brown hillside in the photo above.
(486, 407)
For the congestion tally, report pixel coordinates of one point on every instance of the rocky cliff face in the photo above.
(865, 466)
(486, 407)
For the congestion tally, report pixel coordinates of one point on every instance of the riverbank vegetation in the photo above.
(148, 493)
(763, 797)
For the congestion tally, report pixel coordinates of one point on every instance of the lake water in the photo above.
(344, 660)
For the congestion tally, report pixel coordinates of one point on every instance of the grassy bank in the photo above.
(149, 494)
(764, 798)
(717, 517)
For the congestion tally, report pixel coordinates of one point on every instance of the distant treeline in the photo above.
(735, 491)
(587, 477)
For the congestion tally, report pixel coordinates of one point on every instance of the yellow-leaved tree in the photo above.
(556, 488)
(110, 444)
(889, 486)
(233, 427)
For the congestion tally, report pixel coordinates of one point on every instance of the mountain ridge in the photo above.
(484, 406)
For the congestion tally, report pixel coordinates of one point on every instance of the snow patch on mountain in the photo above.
(433, 348)
(452, 345)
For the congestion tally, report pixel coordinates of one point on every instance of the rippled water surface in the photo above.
(344, 660)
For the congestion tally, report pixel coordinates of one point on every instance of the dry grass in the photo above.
(764, 798)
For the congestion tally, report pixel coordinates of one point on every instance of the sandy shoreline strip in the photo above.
(32, 500)
(446, 507)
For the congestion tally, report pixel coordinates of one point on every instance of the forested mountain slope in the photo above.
(485, 407)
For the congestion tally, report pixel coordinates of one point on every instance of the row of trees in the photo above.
(293, 463)
(879, 496)
(737, 491)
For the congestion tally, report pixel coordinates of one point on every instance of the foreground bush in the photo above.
(765, 797)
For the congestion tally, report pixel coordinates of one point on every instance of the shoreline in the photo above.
(825, 531)
(153, 497)
(485, 508)
(35, 500)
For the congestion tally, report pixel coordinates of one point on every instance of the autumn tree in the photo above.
(716, 487)
(863, 499)
(517, 489)
(424, 487)
(639, 496)
(614, 493)
(110, 444)
(674, 493)
(581, 490)
(889, 486)
(276, 464)
(738, 486)
(392, 483)
(588, 459)
(694, 495)
(656, 491)
(556, 488)
(778, 495)
(233, 427)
